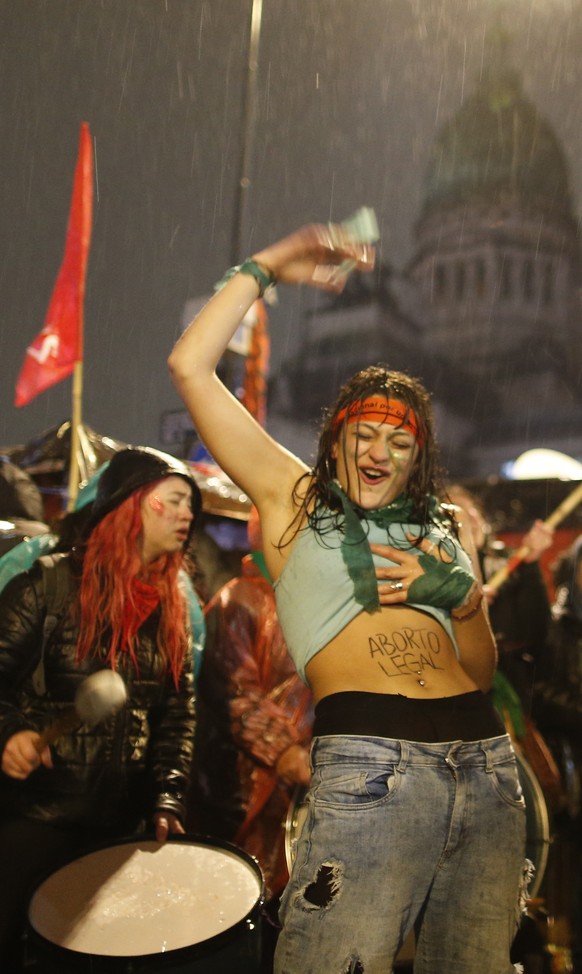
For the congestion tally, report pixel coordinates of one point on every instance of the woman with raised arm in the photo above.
(415, 814)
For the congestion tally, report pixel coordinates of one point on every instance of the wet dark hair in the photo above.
(427, 476)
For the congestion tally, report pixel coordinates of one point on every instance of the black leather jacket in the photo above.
(116, 775)
(558, 696)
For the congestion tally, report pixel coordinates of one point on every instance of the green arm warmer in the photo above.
(443, 585)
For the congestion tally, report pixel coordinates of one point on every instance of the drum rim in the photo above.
(200, 949)
(542, 819)
(298, 800)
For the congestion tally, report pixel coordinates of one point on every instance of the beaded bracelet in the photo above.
(264, 278)
(470, 606)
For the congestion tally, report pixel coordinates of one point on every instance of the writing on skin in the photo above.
(406, 652)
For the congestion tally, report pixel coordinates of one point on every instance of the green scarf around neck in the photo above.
(355, 546)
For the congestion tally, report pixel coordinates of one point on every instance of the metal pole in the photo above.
(77, 398)
(249, 119)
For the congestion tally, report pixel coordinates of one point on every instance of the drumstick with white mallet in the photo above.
(98, 697)
(566, 507)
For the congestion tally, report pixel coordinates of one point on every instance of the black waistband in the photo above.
(464, 717)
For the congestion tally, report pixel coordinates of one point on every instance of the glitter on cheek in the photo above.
(156, 504)
(396, 457)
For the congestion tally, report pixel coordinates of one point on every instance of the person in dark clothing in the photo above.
(113, 602)
(558, 712)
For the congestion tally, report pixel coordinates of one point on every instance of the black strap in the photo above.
(56, 589)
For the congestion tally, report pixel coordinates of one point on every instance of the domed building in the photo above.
(488, 310)
(497, 264)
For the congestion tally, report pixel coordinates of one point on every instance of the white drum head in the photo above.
(140, 898)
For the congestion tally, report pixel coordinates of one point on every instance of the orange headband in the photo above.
(380, 409)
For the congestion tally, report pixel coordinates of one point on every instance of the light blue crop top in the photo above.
(315, 595)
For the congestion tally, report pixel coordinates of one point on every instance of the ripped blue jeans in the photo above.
(401, 835)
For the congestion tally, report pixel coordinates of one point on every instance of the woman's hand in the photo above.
(538, 539)
(166, 823)
(23, 754)
(395, 581)
(318, 254)
(292, 766)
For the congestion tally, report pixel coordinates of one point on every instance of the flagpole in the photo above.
(58, 350)
(86, 156)
(76, 408)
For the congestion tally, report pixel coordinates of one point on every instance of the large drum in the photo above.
(536, 815)
(189, 906)
(537, 822)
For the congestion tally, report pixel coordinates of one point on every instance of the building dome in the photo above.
(498, 147)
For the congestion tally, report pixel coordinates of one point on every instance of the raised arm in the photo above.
(236, 441)
(313, 255)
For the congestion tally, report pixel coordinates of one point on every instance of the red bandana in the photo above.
(146, 598)
(380, 409)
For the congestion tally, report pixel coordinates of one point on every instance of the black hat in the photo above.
(136, 467)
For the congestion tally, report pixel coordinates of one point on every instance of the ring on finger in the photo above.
(396, 586)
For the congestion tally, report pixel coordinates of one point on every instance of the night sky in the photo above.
(350, 95)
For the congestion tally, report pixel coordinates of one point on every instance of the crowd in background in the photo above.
(254, 715)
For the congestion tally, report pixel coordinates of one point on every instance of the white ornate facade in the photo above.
(488, 307)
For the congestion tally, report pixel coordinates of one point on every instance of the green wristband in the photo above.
(264, 278)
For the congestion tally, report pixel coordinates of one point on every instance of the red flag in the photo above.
(256, 367)
(53, 353)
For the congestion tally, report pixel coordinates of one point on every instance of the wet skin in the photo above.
(374, 462)
(166, 512)
(397, 649)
